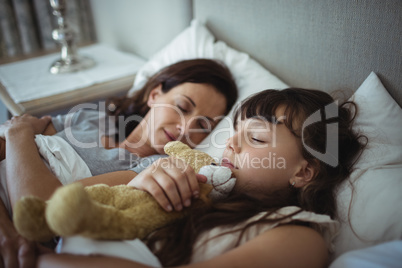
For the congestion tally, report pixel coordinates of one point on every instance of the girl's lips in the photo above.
(169, 136)
(226, 163)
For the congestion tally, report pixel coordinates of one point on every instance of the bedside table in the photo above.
(28, 87)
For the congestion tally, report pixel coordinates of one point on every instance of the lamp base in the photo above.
(72, 65)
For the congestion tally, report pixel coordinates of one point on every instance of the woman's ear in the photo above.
(305, 174)
(154, 95)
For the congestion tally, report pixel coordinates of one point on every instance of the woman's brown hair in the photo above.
(175, 242)
(202, 71)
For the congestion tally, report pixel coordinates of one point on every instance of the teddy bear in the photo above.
(117, 212)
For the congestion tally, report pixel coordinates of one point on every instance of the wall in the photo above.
(152, 24)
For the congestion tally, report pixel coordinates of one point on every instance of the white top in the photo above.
(221, 244)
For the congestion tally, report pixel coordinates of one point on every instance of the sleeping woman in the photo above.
(183, 101)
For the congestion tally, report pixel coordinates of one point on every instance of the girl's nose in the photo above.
(233, 143)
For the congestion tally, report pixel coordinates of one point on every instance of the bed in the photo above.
(353, 46)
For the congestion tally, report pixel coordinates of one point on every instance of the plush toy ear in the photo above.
(154, 95)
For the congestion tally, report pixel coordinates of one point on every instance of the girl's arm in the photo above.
(284, 246)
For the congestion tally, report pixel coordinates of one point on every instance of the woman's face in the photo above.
(188, 113)
(264, 156)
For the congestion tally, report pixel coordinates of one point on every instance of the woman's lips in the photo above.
(226, 163)
(169, 136)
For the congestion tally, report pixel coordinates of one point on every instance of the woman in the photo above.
(183, 102)
(273, 216)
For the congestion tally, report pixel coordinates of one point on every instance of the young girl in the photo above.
(273, 217)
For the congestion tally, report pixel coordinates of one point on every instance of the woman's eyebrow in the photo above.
(190, 100)
(193, 103)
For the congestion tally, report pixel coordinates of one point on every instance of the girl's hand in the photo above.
(171, 182)
(37, 125)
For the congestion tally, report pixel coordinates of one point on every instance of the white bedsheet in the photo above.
(385, 255)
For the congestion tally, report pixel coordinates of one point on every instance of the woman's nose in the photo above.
(183, 128)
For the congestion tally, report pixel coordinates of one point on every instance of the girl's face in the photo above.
(188, 113)
(265, 156)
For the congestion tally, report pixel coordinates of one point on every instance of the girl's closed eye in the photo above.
(258, 140)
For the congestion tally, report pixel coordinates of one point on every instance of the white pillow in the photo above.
(196, 41)
(376, 214)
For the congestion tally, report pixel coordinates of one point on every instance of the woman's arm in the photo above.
(285, 246)
(28, 175)
(26, 172)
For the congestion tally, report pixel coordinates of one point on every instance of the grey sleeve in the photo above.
(145, 162)
(87, 117)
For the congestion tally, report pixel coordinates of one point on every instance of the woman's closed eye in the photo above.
(182, 108)
(183, 105)
(205, 125)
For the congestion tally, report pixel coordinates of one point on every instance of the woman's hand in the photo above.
(171, 182)
(26, 121)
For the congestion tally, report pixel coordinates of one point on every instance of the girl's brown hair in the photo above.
(176, 240)
(202, 71)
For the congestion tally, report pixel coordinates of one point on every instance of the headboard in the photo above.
(327, 45)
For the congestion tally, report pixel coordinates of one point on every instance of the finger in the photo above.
(186, 184)
(191, 187)
(10, 257)
(154, 189)
(170, 188)
(26, 256)
(193, 180)
(201, 178)
(46, 118)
